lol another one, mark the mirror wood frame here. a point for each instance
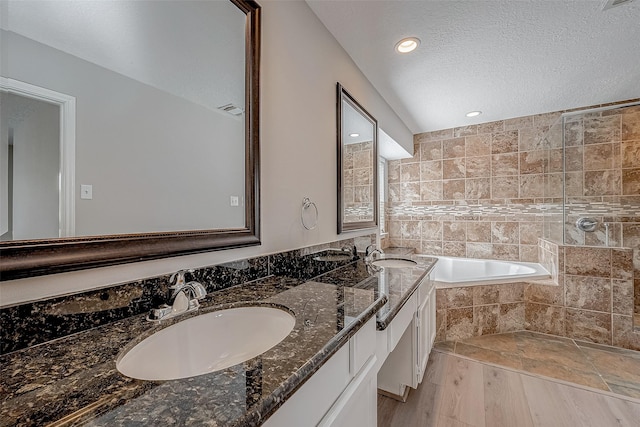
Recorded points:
(343, 226)
(29, 258)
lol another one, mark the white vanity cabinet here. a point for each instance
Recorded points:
(341, 393)
(403, 361)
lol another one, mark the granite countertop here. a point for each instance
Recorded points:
(74, 381)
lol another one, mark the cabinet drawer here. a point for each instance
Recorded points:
(400, 323)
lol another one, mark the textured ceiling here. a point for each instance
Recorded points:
(505, 58)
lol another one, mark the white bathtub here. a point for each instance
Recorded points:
(451, 272)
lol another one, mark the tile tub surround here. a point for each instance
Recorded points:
(69, 382)
(483, 191)
(35, 322)
(591, 301)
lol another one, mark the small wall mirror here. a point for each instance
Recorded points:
(357, 165)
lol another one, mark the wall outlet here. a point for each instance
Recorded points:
(234, 201)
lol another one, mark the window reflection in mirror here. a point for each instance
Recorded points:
(357, 165)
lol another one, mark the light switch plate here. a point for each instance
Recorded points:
(86, 192)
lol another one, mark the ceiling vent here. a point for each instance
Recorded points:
(608, 4)
(233, 109)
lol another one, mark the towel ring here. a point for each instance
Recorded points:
(306, 204)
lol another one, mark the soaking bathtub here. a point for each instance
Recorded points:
(452, 272)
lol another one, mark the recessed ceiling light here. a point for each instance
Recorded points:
(473, 113)
(354, 135)
(407, 45)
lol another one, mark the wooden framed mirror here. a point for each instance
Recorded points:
(170, 196)
(357, 133)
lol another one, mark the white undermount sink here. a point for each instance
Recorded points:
(207, 343)
(394, 263)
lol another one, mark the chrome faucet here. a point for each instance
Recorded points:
(371, 251)
(184, 297)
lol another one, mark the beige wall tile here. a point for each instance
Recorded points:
(486, 319)
(430, 247)
(432, 230)
(477, 188)
(598, 157)
(491, 127)
(431, 170)
(465, 130)
(547, 319)
(454, 231)
(431, 150)
(410, 172)
(486, 294)
(460, 324)
(630, 154)
(478, 167)
(479, 231)
(573, 158)
(631, 181)
(453, 189)
(511, 292)
(622, 263)
(622, 297)
(505, 232)
(544, 294)
(457, 297)
(600, 183)
(505, 187)
(410, 191)
(623, 333)
(599, 130)
(532, 185)
(589, 293)
(453, 148)
(504, 164)
(479, 250)
(631, 125)
(511, 317)
(505, 252)
(588, 325)
(478, 145)
(454, 168)
(457, 249)
(584, 261)
(518, 123)
(532, 139)
(573, 131)
(431, 190)
(504, 142)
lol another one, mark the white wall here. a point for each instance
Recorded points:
(36, 165)
(301, 63)
(139, 146)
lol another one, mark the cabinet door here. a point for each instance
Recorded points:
(358, 404)
(432, 316)
(423, 330)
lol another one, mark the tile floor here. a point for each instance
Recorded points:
(601, 367)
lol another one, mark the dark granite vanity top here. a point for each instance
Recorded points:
(73, 380)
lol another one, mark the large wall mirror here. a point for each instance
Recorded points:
(357, 165)
(129, 131)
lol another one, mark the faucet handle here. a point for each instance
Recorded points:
(369, 249)
(178, 277)
(198, 290)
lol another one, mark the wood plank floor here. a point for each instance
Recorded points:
(458, 392)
